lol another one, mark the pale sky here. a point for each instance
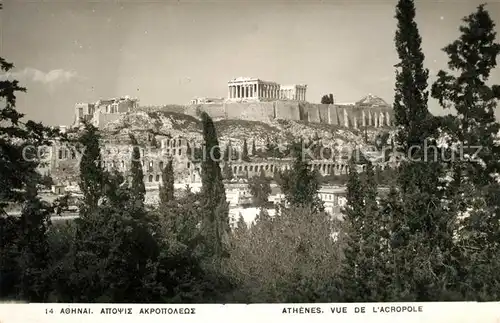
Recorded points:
(171, 51)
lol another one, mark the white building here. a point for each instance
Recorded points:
(243, 89)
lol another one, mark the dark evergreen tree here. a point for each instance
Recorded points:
(354, 216)
(228, 152)
(91, 172)
(167, 189)
(426, 220)
(327, 99)
(270, 148)
(114, 256)
(410, 100)
(473, 189)
(260, 188)
(244, 153)
(215, 221)
(254, 150)
(300, 184)
(241, 227)
(23, 242)
(227, 172)
(47, 181)
(33, 247)
(154, 143)
(137, 175)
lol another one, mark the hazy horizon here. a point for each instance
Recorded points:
(171, 51)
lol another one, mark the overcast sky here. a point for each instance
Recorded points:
(171, 51)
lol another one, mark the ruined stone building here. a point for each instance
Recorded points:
(103, 111)
(61, 161)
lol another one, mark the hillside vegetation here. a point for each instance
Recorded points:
(173, 124)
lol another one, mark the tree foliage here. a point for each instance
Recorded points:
(167, 189)
(215, 221)
(327, 99)
(300, 183)
(260, 188)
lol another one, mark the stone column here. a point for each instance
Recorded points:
(229, 92)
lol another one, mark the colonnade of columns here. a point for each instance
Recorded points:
(259, 90)
(253, 91)
(377, 119)
(299, 93)
(323, 167)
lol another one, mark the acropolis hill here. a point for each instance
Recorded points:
(255, 111)
(253, 99)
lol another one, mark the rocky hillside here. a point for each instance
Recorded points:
(172, 124)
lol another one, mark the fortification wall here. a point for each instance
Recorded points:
(338, 115)
(323, 113)
(259, 111)
(287, 110)
(214, 110)
(313, 115)
(333, 115)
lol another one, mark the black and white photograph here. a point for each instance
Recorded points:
(249, 152)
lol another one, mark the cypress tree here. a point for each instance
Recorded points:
(354, 217)
(167, 189)
(215, 222)
(138, 189)
(227, 152)
(91, 171)
(227, 172)
(410, 100)
(364, 267)
(253, 148)
(244, 153)
(425, 220)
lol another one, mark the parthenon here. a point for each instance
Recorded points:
(253, 89)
